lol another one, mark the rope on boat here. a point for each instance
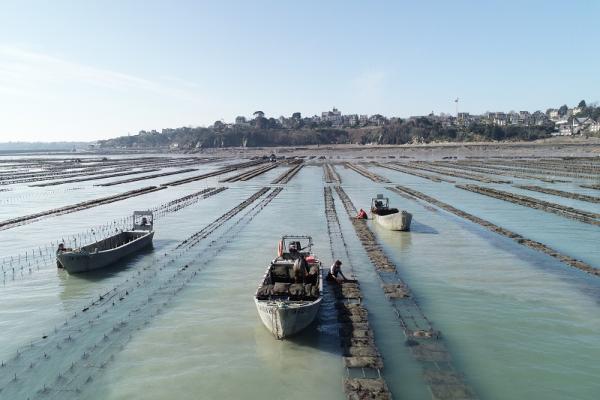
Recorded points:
(424, 342)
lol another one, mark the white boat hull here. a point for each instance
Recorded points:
(82, 261)
(399, 221)
(286, 318)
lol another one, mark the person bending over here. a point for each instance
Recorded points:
(335, 272)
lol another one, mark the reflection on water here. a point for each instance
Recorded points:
(76, 286)
(419, 227)
(508, 313)
(400, 239)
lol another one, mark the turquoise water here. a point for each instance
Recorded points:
(518, 323)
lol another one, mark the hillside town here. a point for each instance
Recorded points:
(565, 120)
(334, 127)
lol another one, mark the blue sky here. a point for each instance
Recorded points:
(83, 70)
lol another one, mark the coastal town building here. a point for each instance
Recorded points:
(352, 119)
(378, 120)
(563, 128)
(579, 125)
(539, 118)
(565, 121)
(497, 118)
(334, 116)
(553, 114)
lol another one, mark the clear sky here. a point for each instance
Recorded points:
(84, 70)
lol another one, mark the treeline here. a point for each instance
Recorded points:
(424, 130)
(415, 130)
(591, 110)
(201, 138)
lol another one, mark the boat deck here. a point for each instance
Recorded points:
(279, 284)
(115, 241)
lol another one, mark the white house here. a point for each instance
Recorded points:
(553, 114)
(563, 128)
(580, 124)
(335, 116)
(352, 119)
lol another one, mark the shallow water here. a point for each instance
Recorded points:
(518, 323)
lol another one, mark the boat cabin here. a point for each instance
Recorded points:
(291, 247)
(143, 221)
(381, 206)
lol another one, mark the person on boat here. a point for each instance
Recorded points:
(361, 214)
(335, 272)
(299, 269)
(378, 204)
(313, 274)
(61, 249)
(293, 250)
(144, 221)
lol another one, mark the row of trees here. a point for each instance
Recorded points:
(587, 110)
(419, 130)
(591, 111)
(424, 130)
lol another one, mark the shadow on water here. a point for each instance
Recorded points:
(402, 240)
(75, 285)
(312, 337)
(418, 227)
(321, 335)
(119, 266)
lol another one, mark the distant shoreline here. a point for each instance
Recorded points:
(552, 147)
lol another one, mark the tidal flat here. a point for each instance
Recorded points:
(497, 282)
